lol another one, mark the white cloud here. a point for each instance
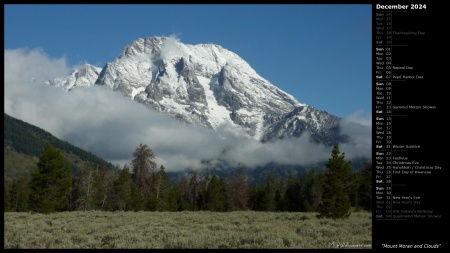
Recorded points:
(359, 131)
(24, 70)
(170, 47)
(112, 126)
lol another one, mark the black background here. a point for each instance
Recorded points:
(420, 127)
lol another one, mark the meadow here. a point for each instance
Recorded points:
(185, 230)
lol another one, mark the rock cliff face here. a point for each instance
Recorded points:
(208, 85)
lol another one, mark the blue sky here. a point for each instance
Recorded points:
(320, 54)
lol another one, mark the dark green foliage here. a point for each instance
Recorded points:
(137, 200)
(183, 193)
(268, 202)
(161, 192)
(365, 188)
(330, 193)
(7, 197)
(17, 165)
(293, 195)
(280, 195)
(255, 195)
(193, 192)
(31, 140)
(335, 199)
(122, 188)
(172, 204)
(51, 182)
(311, 190)
(215, 195)
(23, 137)
(353, 189)
(19, 195)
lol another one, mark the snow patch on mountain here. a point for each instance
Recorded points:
(82, 76)
(203, 84)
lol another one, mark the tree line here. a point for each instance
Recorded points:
(54, 187)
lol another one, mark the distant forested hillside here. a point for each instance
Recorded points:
(24, 143)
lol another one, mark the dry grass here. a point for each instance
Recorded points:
(185, 230)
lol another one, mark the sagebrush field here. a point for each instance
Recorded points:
(185, 230)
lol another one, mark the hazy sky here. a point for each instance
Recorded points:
(318, 53)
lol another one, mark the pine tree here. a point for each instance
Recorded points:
(183, 193)
(123, 189)
(171, 199)
(311, 190)
(161, 189)
(137, 200)
(293, 194)
(51, 182)
(280, 195)
(20, 191)
(215, 195)
(365, 188)
(255, 196)
(7, 197)
(335, 200)
(144, 166)
(194, 191)
(268, 199)
(354, 192)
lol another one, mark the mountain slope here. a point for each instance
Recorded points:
(83, 76)
(24, 143)
(207, 85)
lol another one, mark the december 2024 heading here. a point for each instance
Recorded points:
(400, 6)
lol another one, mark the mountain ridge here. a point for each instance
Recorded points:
(207, 85)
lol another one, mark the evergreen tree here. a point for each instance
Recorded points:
(280, 195)
(335, 200)
(123, 189)
(20, 194)
(293, 194)
(183, 193)
(365, 188)
(268, 198)
(215, 195)
(255, 196)
(203, 187)
(194, 191)
(51, 182)
(137, 200)
(171, 199)
(311, 190)
(20, 191)
(354, 189)
(161, 190)
(144, 166)
(7, 197)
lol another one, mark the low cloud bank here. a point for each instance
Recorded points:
(112, 126)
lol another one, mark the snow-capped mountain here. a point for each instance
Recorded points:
(83, 76)
(208, 85)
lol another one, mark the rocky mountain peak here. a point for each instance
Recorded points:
(205, 84)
